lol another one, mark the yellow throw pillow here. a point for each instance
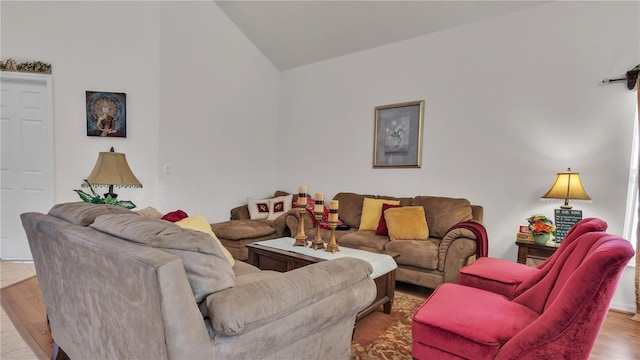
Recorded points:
(407, 223)
(371, 211)
(200, 223)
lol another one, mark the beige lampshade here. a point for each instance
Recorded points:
(567, 186)
(112, 169)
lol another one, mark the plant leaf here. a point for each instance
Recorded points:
(111, 201)
(97, 200)
(91, 187)
(126, 204)
(84, 196)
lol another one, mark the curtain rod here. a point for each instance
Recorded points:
(631, 78)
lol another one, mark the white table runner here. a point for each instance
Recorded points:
(381, 263)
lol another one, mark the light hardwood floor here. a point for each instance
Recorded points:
(619, 338)
(12, 347)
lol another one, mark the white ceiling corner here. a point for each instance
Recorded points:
(297, 33)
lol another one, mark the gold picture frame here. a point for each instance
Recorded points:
(397, 137)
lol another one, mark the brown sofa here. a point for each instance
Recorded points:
(240, 230)
(118, 285)
(426, 263)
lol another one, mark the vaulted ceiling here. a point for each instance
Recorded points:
(296, 33)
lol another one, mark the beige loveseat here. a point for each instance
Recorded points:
(241, 230)
(118, 285)
(426, 263)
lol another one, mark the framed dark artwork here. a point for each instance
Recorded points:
(397, 139)
(106, 114)
(565, 219)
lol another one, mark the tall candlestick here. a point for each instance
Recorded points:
(301, 237)
(332, 246)
(318, 211)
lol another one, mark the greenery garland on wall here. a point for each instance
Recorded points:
(29, 66)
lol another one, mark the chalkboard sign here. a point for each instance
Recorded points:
(565, 219)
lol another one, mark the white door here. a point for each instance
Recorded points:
(26, 132)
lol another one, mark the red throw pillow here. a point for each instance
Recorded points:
(382, 223)
(175, 216)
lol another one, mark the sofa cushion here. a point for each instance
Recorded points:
(371, 211)
(366, 238)
(255, 304)
(443, 212)
(351, 207)
(258, 208)
(419, 253)
(150, 212)
(382, 223)
(407, 223)
(433, 324)
(200, 223)
(404, 201)
(83, 214)
(206, 266)
(243, 229)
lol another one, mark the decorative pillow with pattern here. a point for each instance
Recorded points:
(258, 208)
(279, 205)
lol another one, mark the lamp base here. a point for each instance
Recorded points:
(566, 207)
(113, 196)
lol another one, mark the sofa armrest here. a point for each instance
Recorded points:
(240, 212)
(292, 219)
(280, 225)
(477, 212)
(240, 309)
(454, 251)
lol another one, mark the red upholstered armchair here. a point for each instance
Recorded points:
(558, 317)
(503, 276)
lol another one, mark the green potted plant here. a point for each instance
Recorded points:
(541, 227)
(97, 199)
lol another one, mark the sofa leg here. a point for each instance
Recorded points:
(58, 353)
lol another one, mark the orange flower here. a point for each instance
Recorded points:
(540, 226)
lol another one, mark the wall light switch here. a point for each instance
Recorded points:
(167, 169)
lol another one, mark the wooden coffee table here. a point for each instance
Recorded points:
(269, 258)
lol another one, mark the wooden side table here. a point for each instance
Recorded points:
(532, 254)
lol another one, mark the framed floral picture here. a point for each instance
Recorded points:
(106, 114)
(397, 139)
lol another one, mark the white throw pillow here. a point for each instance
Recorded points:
(279, 205)
(258, 208)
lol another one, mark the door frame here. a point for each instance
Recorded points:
(47, 80)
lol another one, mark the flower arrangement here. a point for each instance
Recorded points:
(395, 134)
(539, 223)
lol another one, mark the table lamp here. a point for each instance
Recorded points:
(567, 186)
(111, 170)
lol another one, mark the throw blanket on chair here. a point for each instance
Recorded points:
(482, 240)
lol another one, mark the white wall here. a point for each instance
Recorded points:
(200, 97)
(509, 102)
(96, 46)
(219, 101)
